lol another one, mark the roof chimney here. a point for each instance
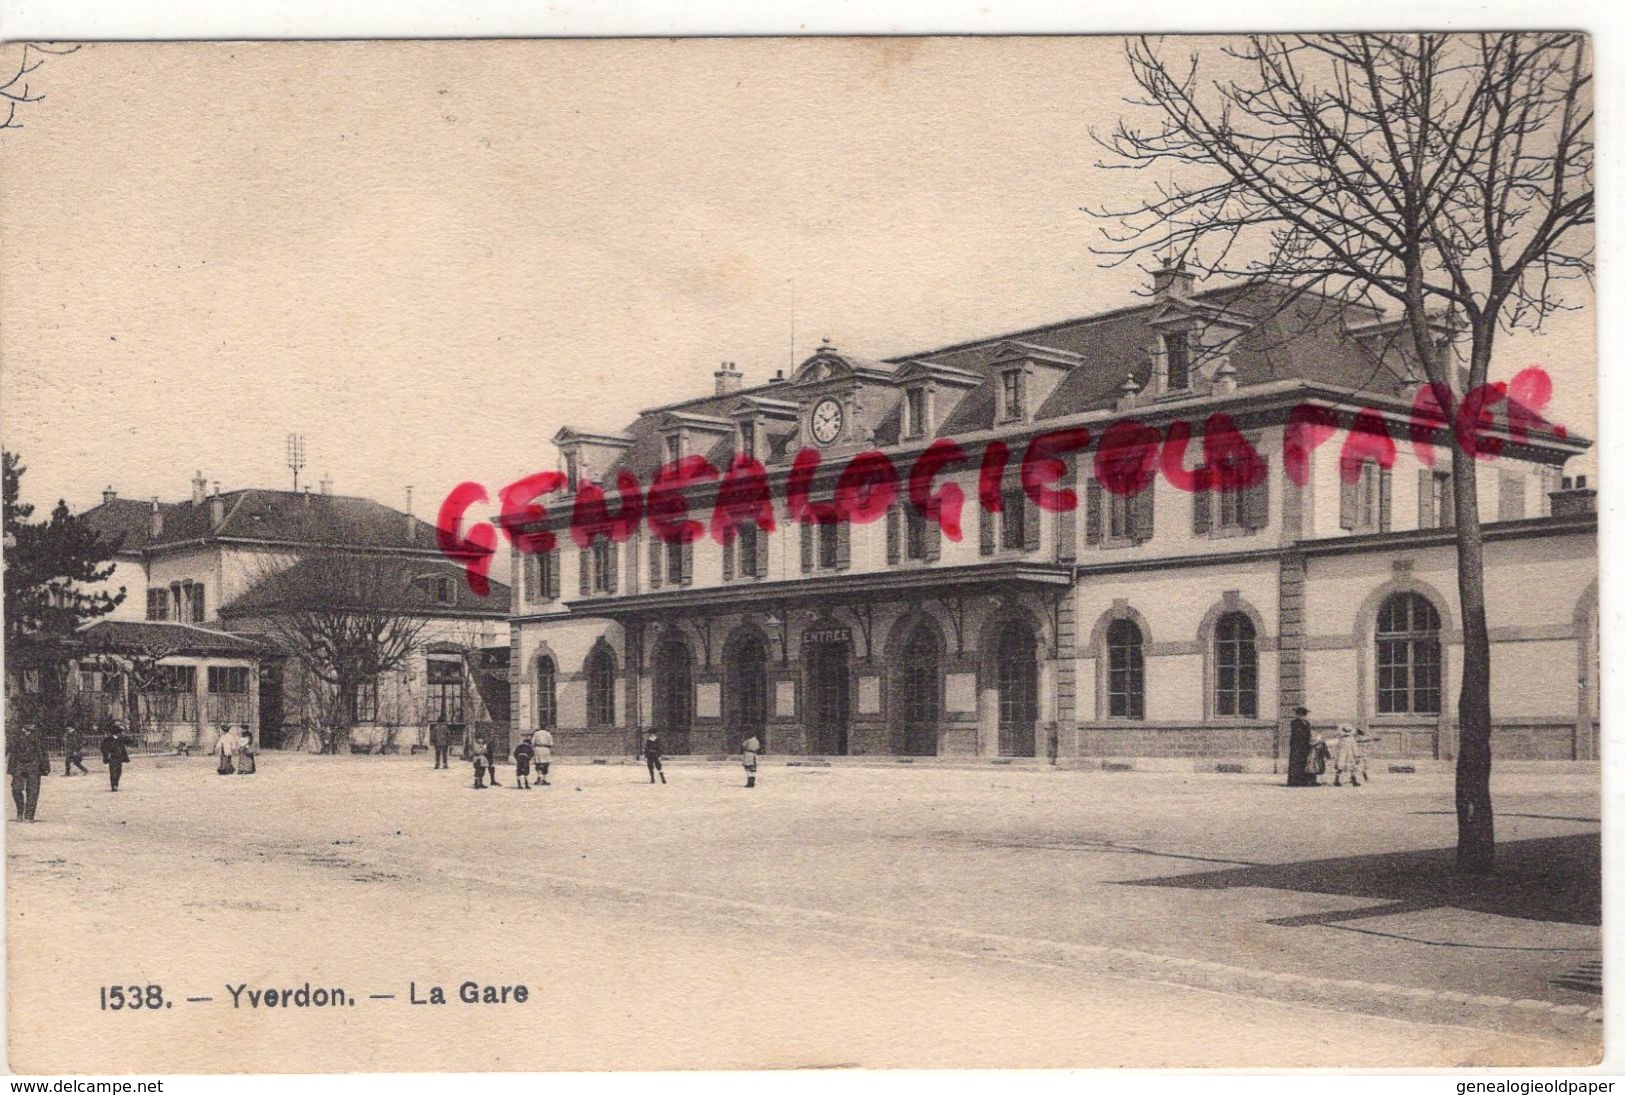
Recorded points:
(1171, 279)
(411, 522)
(1575, 499)
(157, 519)
(200, 489)
(327, 484)
(778, 377)
(729, 378)
(109, 495)
(217, 508)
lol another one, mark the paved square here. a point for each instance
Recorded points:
(846, 915)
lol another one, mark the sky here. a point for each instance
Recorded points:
(427, 257)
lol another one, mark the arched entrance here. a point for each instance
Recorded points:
(1015, 653)
(744, 689)
(673, 694)
(826, 655)
(920, 687)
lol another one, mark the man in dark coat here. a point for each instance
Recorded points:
(440, 738)
(73, 752)
(115, 754)
(26, 762)
(1297, 763)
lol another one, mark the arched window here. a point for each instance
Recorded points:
(1235, 661)
(1407, 656)
(601, 688)
(547, 704)
(1125, 670)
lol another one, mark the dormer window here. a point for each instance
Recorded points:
(914, 424)
(1177, 348)
(747, 438)
(572, 471)
(674, 447)
(1012, 394)
(443, 590)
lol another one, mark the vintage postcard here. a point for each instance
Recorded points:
(801, 553)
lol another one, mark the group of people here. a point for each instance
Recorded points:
(1342, 752)
(235, 751)
(28, 761)
(536, 751)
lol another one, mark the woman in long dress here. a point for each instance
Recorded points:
(245, 755)
(225, 748)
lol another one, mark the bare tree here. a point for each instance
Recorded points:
(1448, 177)
(19, 90)
(346, 617)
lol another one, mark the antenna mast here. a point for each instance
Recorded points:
(296, 456)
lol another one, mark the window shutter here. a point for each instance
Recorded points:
(990, 522)
(1201, 505)
(843, 545)
(1349, 500)
(613, 567)
(1030, 527)
(761, 553)
(1448, 518)
(806, 547)
(632, 565)
(1256, 507)
(728, 558)
(894, 539)
(1425, 517)
(688, 563)
(933, 541)
(585, 558)
(654, 562)
(1145, 511)
(553, 574)
(1093, 502)
(1385, 502)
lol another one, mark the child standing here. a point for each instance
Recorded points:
(478, 760)
(1362, 745)
(651, 755)
(521, 764)
(748, 753)
(1343, 757)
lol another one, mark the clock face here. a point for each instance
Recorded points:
(826, 421)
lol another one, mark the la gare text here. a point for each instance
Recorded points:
(1128, 455)
(307, 996)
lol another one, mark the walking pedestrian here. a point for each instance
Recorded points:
(27, 762)
(1343, 757)
(73, 752)
(651, 755)
(246, 753)
(542, 745)
(748, 753)
(115, 754)
(225, 748)
(521, 764)
(1297, 763)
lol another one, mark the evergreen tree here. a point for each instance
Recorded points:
(48, 565)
